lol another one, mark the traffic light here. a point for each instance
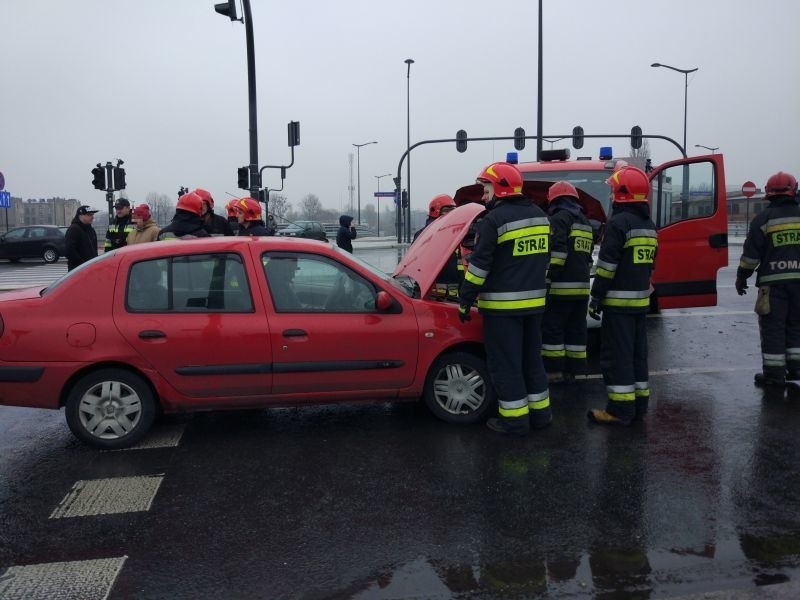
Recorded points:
(227, 9)
(119, 178)
(461, 140)
(519, 138)
(99, 178)
(577, 137)
(636, 137)
(244, 178)
(294, 133)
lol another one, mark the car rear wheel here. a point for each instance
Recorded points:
(458, 389)
(50, 255)
(110, 408)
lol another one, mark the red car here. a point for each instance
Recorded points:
(240, 322)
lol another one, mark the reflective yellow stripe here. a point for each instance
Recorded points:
(604, 273)
(554, 353)
(539, 404)
(576, 354)
(513, 412)
(511, 304)
(523, 232)
(559, 262)
(783, 227)
(629, 302)
(474, 278)
(641, 241)
(569, 292)
(643, 393)
(579, 233)
(622, 396)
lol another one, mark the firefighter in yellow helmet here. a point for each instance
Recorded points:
(506, 276)
(621, 290)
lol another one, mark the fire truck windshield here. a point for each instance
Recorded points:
(591, 182)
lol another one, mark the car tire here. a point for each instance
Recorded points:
(458, 388)
(110, 408)
(50, 255)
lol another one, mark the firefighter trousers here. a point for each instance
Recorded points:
(513, 352)
(564, 336)
(780, 331)
(623, 360)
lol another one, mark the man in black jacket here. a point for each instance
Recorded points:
(773, 246)
(346, 234)
(80, 241)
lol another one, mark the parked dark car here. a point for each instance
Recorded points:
(33, 241)
(312, 230)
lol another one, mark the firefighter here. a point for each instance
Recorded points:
(773, 247)
(233, 220)
(506, 275)
(438, 206)
(621, 290)
(564, 325)
(213, 223)
(121, 225)
(248, 213)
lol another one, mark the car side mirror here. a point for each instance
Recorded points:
(383, 301)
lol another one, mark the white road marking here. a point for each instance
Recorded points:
(681, 371)
(84, 579)
(109, 496)
(30, 276)
(164, 437)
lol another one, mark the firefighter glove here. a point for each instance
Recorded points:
(463, 314)
(741, 286)
(595, 309)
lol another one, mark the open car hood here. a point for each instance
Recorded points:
(426, 257)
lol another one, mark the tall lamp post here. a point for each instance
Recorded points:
(409, 62)
(685, 93)
(712, 148)
(358, 173)
(378, 201)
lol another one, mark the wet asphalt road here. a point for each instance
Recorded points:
(387, 502)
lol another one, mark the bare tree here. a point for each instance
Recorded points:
(643, 152)
(310, 207)
(161, 206)
(279, 205)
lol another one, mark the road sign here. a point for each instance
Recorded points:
(384, 194)
(5, 199)
(748, 189)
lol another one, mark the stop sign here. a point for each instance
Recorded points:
(748, 189)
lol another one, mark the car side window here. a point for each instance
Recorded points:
(306, 283)
(14, 235)
(194, 283)
(37, 232)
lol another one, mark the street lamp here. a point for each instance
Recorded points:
(707, 147)
(409, 62)
(358, 171)
(685, 93)
(378, 201)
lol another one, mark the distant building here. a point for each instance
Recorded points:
(44, 211)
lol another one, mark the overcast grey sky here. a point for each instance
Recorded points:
(163, 85)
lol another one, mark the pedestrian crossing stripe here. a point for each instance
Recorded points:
(31, 275)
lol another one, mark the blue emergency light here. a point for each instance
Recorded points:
(606, 153)
(512, 158)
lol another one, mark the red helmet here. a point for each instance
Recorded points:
(561, 188)
(191, 202)
(142, 212)
(205, 195)
(231, 207)
(780, 184)
(250, 208)
(629, 184)
(505, 178)
(438, 203)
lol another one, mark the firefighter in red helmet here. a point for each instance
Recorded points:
(188, 220)
(564, 325)
(621, 290)
(506, 276)
(438, 206)
(215, 224)
(773, 248)
(248, 213)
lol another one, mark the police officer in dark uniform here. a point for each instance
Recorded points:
(506, 275)
(621, 290)
(121, 225)
(564, 326)
(773, 246)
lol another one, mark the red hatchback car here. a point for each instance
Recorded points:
(241, 322)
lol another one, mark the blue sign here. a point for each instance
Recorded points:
(5, 199)
(384, 194)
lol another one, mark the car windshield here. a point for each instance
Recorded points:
(57, 283)
(591, 182)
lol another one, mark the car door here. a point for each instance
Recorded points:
(12, 243)
(195, 320)
(690, 211)
(327, 335)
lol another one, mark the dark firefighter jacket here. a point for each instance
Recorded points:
(626, 258)
(773, 243)
(117, 233)
(253, 228)
(508, 265)
(184, 224)
(571, 242)
(217, 225)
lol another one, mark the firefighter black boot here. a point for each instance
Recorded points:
(516, 426)
(768, 379)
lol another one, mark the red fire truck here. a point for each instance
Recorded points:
(688, 207)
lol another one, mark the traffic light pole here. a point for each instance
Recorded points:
(109, 190)
(255, 176)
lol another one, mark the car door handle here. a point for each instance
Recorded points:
(151, 334)
(718, 240)
(294, 333)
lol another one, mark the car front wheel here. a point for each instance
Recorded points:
(458, 389)
(50, 255)
(110, 409)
